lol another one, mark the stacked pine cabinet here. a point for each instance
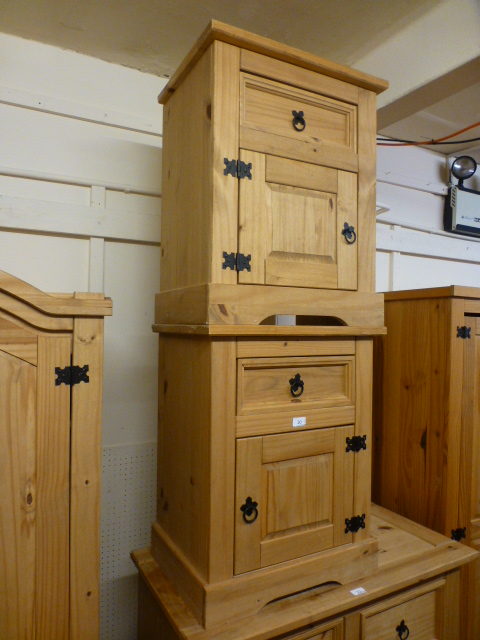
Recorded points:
(427, 419)
(268, 213)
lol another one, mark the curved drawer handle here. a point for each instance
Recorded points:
(249, 510)
(298, 122)
(296, 386)
(403, 631)
(349, 233)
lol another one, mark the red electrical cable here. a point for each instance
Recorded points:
(427, 142)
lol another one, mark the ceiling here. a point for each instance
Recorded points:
(154, 35)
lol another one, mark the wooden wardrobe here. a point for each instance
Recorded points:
(51, 362)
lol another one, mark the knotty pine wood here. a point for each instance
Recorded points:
(264, 101)
(412, 560)
(52, 558)
(427, 418)
(198, 218)
(196, 445)
(363, 427)
(264, 66)
(193, 538)
(232, 306)
(49, 488)
(18, 495)
(367, 158)
(219, 113)
(238, 37)
(85, 470)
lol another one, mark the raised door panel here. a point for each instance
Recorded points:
(17, 497)
(293, 494)
(291, 218)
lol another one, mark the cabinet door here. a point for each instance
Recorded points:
(291, 218)
(469, 503)
(17, 484)
(293, 494)
(470, 463)
(34, 489)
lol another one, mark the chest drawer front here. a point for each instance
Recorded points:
(270, 384)
(415, 617)
(268, 106)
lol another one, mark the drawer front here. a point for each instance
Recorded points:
(318, 389)
(415, 616)
(268, 106)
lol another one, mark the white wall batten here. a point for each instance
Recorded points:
(410, 207)
(71, 150)
(78, 220)
(96, 265)
(413, 167)
(43, 77)
(438, 245)
(39, 102)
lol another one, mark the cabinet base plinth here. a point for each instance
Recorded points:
(412, 561)
(248, 593)
(224, 305)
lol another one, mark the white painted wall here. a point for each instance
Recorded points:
(80, 176)
(413, 251)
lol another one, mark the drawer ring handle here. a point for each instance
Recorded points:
(249, 510)
(299, 123)
(402, 629)
(349, 233)
(296, 386)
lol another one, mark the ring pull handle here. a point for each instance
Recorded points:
(298, 122)
(349, 233)
(249, 510)
(296, 386)
(403, 631)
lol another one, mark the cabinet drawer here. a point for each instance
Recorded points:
(268, 106)
(318, 389)
(414, 615)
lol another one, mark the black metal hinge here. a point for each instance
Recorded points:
(71, 375)
(464, 332)
(356, 444)
(354, 524)
(459, 534)
(237, 169)
(237, 261)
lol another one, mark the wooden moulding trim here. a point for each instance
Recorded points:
(30, 318)
(452, 291)
(250, 592)
(266, 330)
(248, 304)
(246, 40)
(178, 570)
(53, 304)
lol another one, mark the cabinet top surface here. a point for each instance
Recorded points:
(246, 40)
(452, 291)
